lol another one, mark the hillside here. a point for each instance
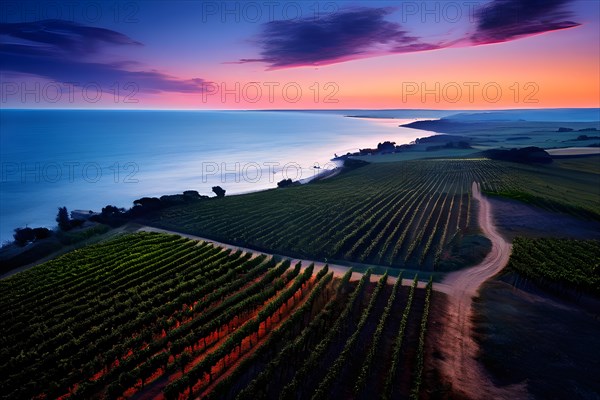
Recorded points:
(408, 214)
(151, 313)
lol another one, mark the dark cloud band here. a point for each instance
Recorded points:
(505, 20)
(343, 36)
(57, 50)
(364, 32)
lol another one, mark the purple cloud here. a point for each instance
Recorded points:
(362, 33)
(65, 35)
(348, 35)
(56, 50)
(505, 20)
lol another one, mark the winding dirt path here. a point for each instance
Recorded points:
(459, 365)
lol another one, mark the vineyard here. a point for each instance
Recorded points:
(566, 186)
(573, 263)
(159, 316)
(405, 214)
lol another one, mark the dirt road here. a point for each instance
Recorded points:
(459, 365)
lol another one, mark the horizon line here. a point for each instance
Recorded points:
(298, 109)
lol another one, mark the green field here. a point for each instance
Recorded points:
(574, 264)
(148, 313)
(488, 133)
(406, 215)
(537, 322)
(567, 185)
(410, 214)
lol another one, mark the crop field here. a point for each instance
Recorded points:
(572, 263)
(160, 316)
(537, 322)
(568, 185)
(403, 214)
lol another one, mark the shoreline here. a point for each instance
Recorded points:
(371, 117)
(264, 142)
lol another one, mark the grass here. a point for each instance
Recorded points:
(13, 256)
(547, 346)
(466, 251)
(542, 335)
(566, 186)
(589, 164)
(493, 134)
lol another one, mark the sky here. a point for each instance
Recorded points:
(151, 54)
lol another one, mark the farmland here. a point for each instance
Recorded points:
(571, 263)
(151, 315)
(405, 215)
(570, 186)
(537, 322)
(160, 316)
(412, 214)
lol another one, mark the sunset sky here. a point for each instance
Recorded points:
(279, 55)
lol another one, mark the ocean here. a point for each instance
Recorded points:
(87, 159)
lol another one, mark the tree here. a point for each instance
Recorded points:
(386, 146)
(23, 236)
(149, 203)
(76, 223)
(64, 223)
(41, 233)
(285, 183)
(191, 194)
(112, 211)
(144, 205)
(219, 191)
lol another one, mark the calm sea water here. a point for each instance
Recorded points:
(85, 159)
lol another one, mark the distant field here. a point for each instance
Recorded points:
(515, 133)
(418, 152)
(148, 313)
(589, 164)
(567, 185)
(410, 214)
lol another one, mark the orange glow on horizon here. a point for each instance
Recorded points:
(529, 76)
